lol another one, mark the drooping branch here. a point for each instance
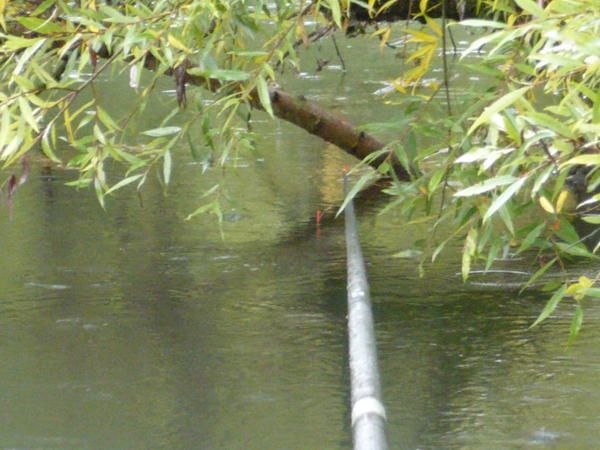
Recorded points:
(296, 110)
(312, 118)
(330, 127)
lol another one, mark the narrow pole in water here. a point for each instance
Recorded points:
(368, 413)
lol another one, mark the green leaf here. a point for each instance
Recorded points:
(531, 237)
(479, 43)
(576, 323)
(201, 210)
(468, 252)
(486, 186)
(504, 197)
(434, 181)
(499, 105)
(79, 183)
(231, 75)
(193, 149)
(47, 149)
(116, 17)
(99, 192)
(485, 70)
(549, 122)
(567, 232)
(223, 75)
(506, 217)
(27, 113)
(539, 273)
(408, 254)
(586, 160)
(595, 219)
(25, 58)
(164, 131)
(592, 292)
(530, 7)
(106, 119)
(167, 167)
(38, 25)
(123, 183)
(43, 7)
(551, 305)
(335, 12)
(576, 250)
(492, 254)
(438, 250)
(263, 94)
(355, 190)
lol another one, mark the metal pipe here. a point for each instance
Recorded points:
(368, 413)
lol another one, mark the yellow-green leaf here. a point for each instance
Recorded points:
(178, 44)
(2, 9)
(38, 25)
(336, 13)
(419, 36)
(499, 105)
(562, 198)
(585, 282)
(586, 160)
(595, 219)
(433, 25)
(545, 203)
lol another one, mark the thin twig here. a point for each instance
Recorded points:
(337, 51)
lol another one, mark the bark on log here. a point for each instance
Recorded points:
(331, 128)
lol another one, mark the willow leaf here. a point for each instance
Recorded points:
(550, 306)
(504, 197)
(263, 94)
(499, 105)
(486, 186)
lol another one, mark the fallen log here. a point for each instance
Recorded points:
(306, 115)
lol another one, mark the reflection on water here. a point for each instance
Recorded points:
(136, 329)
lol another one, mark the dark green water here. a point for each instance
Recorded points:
(135, 329)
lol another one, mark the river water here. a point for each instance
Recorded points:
(135, 329)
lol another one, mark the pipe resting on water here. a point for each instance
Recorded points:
(368, 412)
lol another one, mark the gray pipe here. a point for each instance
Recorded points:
(368, 413)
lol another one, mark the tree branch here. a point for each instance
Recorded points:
(310, 117)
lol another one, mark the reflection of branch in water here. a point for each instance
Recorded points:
(339, 54)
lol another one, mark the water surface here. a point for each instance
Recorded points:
(133, 328)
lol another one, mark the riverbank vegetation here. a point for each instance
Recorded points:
(511, 169)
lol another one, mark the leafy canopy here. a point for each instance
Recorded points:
(493, 168)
